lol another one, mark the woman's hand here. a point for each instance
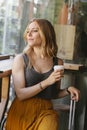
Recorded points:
(55, 76)
(75, 93)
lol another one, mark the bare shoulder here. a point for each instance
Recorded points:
(18, 61)
(18, 57)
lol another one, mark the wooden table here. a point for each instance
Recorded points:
(6, 65)
(3, 57)
(5, 69)
(71, 66)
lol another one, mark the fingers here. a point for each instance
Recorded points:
(58, 74)
(75, 93)
(61, 71)
(75, 96)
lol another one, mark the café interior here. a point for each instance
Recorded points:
(69, 18)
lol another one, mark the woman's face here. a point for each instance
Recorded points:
(33, 35)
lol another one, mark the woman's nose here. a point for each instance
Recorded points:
(30, 33)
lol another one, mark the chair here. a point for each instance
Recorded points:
(4, 94)
(70, 108)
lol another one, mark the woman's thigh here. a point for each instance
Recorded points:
(49, 121)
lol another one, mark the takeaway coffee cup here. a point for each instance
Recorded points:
(58, 67)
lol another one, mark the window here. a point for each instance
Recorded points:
(10, 17)
(14, 17)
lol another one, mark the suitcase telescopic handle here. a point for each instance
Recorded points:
(71, 115)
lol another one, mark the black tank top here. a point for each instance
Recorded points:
(33, 77)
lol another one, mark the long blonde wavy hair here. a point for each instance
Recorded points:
(47, 33)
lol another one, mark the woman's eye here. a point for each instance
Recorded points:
(27, 31)
(35, 30)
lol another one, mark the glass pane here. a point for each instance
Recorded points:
(10, 16)
(14, 17)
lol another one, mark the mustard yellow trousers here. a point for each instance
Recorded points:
(32, 114)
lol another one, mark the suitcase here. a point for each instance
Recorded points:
(71, 115)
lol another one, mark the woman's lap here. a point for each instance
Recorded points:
(32, 115)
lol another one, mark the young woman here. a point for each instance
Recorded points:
(36, 82)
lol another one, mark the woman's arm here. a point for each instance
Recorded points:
(23, 92)
(74, 93)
